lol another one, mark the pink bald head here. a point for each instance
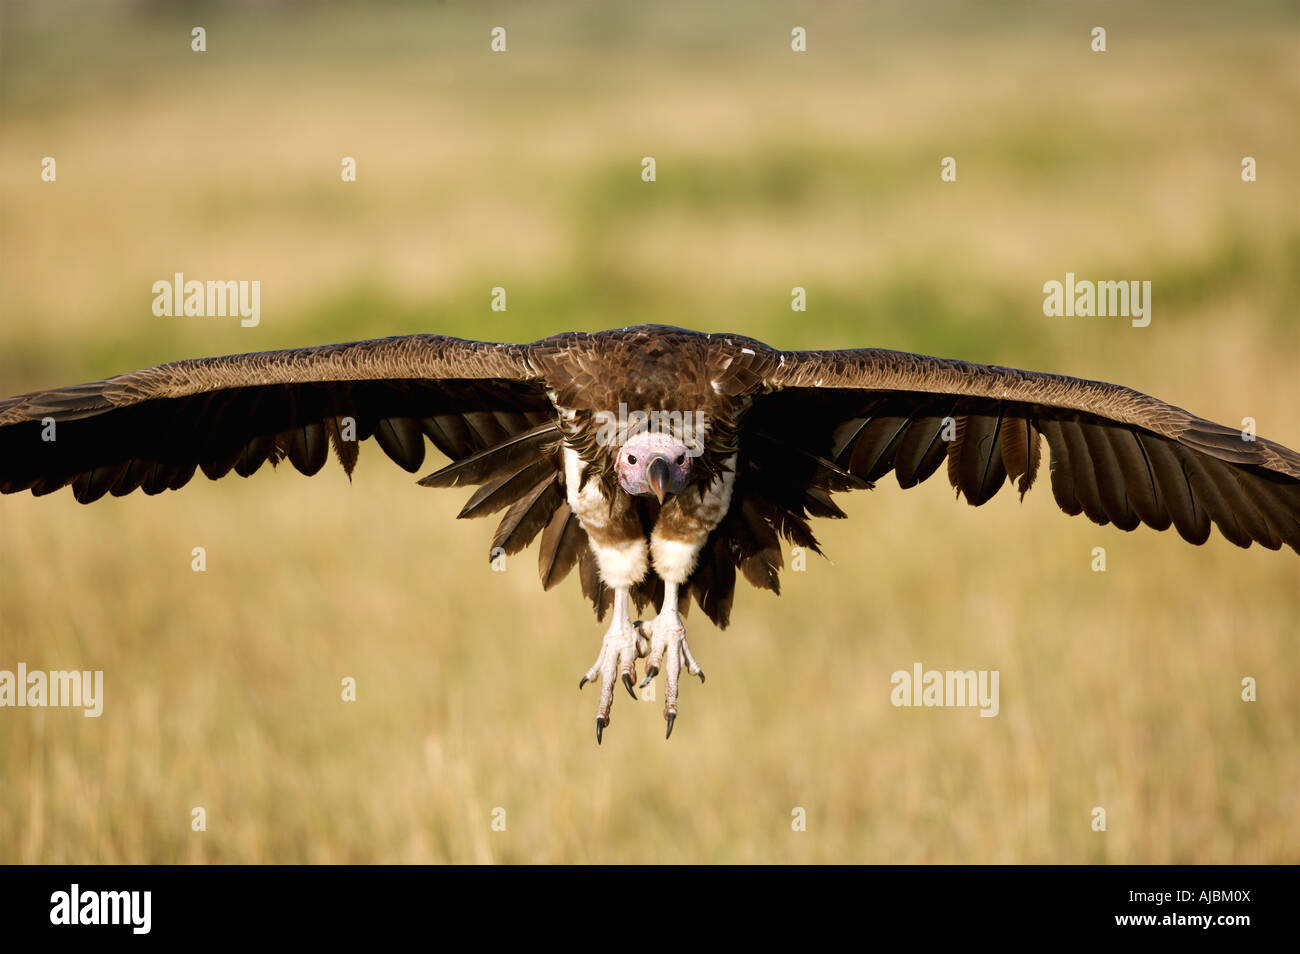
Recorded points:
(651, 464)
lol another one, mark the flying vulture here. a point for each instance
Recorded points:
(658, 461)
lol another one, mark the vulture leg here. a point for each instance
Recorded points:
(680, 533)
(668, 649)
(618, 653)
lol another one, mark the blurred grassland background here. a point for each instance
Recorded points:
(1118, 689)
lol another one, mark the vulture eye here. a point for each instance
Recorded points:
(681, 459)
(631, 458)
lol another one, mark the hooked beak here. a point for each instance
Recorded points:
(657, 476)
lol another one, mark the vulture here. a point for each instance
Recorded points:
(659, 462)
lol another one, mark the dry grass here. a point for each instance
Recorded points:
(1119, 689)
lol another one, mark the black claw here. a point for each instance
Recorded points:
(671, 717)
(701, 675)
(627, 681)
(582, 682)
(600, 727)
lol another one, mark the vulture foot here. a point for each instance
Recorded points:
(669, 651)
(617, 661)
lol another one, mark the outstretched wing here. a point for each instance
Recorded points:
(1116, 455)
(828, 421)
(153, 429)
(484, 405)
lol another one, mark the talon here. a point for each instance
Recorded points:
(671, 717)
(627, 681)
(600, 727)
(582, 682)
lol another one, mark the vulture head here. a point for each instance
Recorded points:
(653, 464)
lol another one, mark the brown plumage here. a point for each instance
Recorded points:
(801, 426)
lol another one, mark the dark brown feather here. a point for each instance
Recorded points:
(975, 457)
(402, 439)
(308, 448)
(506, 490)
(1020, 450)
(345, 450)
(563, 541)
(1139, 480)
(527, 516)
(1189, 518)
(1227, 510)
(497, 460)
(922, 448)
(1109, 475)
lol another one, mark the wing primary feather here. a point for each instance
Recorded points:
(402, 439)
(1020, 451)
(1108, 473)
(504, 491)
(527, 517)
(918, 457)
(1189, 520)
(1143, 492)
(494, 461)
(975, 458)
